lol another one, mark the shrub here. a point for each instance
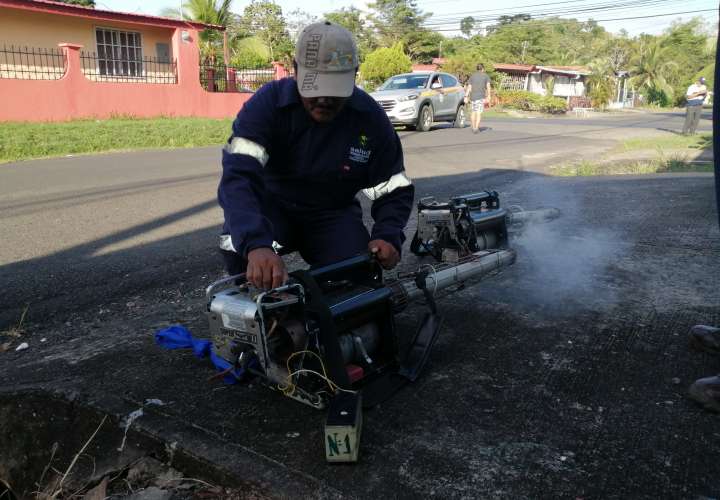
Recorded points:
(465, 64)
(553, 105)
(381, 64)
(529, 101)
(250, 53)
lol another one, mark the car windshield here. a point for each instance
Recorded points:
(405, 82)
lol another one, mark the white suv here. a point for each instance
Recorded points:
(419, 99)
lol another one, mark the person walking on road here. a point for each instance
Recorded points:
(696, 94)
(477, 93)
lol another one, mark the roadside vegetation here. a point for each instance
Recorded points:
(666, 142)
(659, 166)
(668, 154)
(24, 141)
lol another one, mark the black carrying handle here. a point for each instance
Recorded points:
(317, 306)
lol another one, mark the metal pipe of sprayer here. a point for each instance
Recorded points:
(481, 264)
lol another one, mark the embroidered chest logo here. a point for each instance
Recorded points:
(361, 153)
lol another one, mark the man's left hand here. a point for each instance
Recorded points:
(385, 253)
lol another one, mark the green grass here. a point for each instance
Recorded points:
(491, 113)
(699, 141)
(589, 168)
(23, 141)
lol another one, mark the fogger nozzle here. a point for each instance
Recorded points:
(442, 276)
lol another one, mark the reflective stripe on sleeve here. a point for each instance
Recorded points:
(242, 146)
(226, 243)
(396, 181)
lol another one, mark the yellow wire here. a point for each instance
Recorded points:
(290, 388)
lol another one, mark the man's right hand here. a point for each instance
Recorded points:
(265, 269)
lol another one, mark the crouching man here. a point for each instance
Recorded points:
(300, 151)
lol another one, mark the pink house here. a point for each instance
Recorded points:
(61, 62)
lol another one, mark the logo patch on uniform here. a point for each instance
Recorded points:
(361, 152)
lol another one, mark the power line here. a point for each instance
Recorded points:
(627, 5)
(551, 23)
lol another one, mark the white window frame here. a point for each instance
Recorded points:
(121, 63)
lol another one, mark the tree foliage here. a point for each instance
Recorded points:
(250, 53)
(467, 25)
(402, 21)
(353, 20)
(601, 82)
(465, 63)
(383, 63)
(84, 3)
(650, 69)
(264, 20)
(215, 12)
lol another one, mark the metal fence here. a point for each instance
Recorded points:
(30, 63)
(513, 82)
(132, 70)
(221, 78)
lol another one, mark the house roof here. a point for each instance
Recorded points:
(424, 67)
(521, 68)
(565, 70)
(64, 9)
(529, 68)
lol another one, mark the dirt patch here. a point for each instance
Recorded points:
(53, 447)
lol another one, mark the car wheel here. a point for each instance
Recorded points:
(425, 120)
(460, 117)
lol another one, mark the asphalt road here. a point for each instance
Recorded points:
(562, 377)
(81, 231)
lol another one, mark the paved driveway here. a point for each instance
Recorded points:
(561, 377)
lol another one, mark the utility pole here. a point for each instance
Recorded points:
(525, 45)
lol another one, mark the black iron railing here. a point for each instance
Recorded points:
(131, 70)
(30, 63)
(221, 78)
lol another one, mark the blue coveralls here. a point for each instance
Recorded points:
(290, 180)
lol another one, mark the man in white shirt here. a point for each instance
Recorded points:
(696, 94)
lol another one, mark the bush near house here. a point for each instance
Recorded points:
(529, 101)
(383, 63)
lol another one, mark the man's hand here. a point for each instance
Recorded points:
(265, 269)
(385, 253)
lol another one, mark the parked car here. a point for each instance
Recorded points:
(416, 100)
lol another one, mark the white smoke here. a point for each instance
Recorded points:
(564, 263)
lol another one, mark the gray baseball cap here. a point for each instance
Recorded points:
(327, 58)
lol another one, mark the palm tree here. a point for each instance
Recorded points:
(215, 12)
(601, 82)
(650, 68)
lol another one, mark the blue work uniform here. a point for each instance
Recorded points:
(292, 181)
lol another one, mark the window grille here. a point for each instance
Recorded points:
(119, 53)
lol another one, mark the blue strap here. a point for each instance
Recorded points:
(179, 337)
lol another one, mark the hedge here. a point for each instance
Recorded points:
(529, 101)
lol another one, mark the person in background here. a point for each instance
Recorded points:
(696, 94)
(477, 93)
